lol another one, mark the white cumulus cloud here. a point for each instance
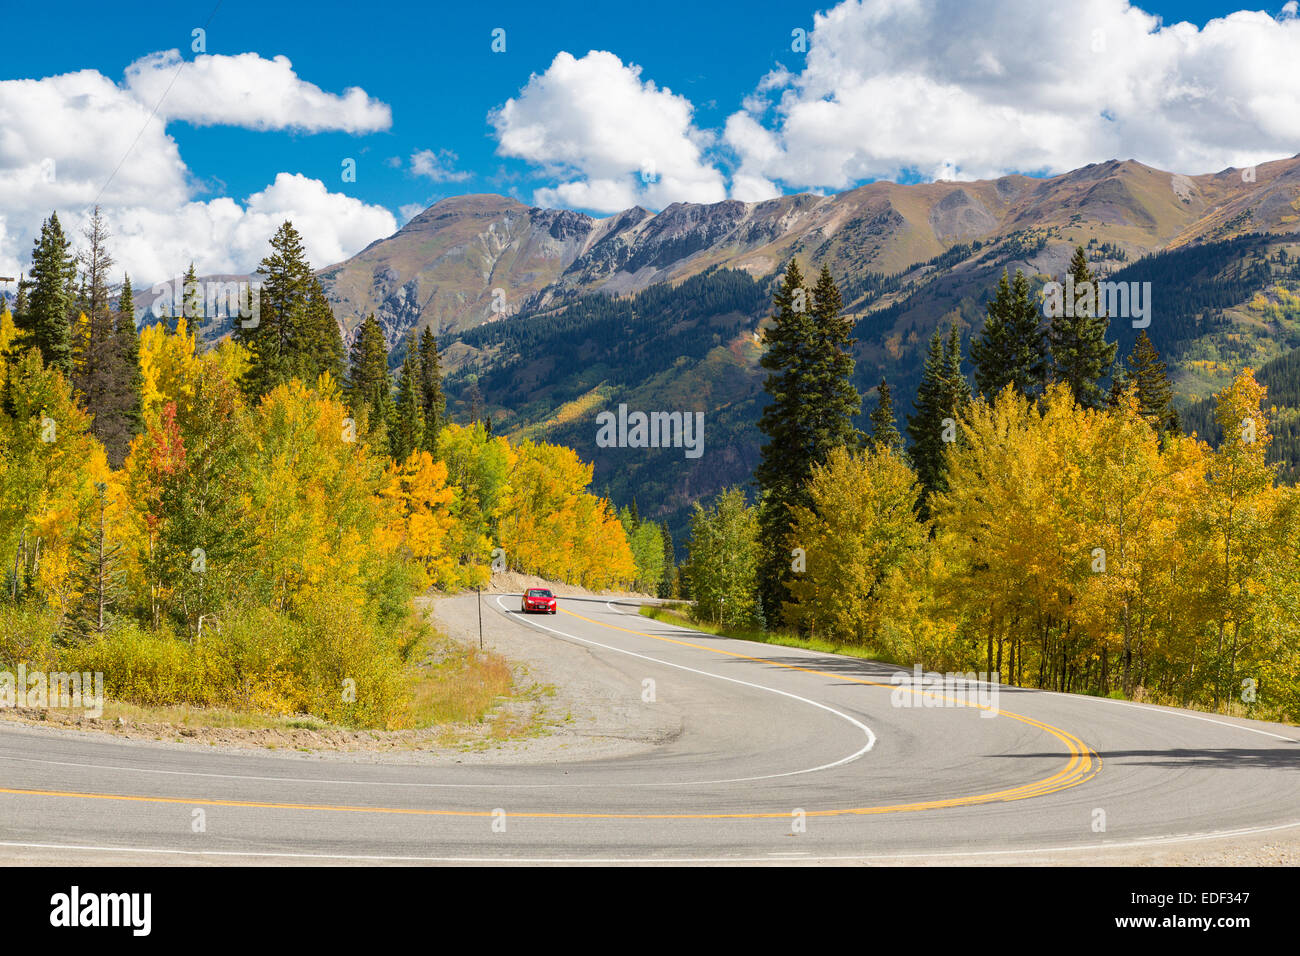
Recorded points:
(980, 88)
(613, 139)
(69, 141)
(248, 90)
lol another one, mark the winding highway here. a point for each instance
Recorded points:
(784, 754)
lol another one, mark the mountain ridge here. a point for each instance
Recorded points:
(477, 258)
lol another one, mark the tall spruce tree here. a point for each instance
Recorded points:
(958, 385)
(43, 323)
(1081, 356)
(322, 348)
(834, 397)
(127, 415)
(1011, 349)
(1155, 393)
(193, 303)
(280, 339)
(407, 434)
(810, 411)
(432, 400)
(785, 461)
(884, 429)
(368, 387)
(940, 400)
(473, 398)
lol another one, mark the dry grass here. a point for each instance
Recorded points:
(189, 715)
(457, 684)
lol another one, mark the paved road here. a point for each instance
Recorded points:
(785, 755)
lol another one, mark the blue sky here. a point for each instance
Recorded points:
(433, 67)
(431, 62)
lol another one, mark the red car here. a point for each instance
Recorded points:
(538, 599)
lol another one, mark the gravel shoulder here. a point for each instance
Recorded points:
(588, 710)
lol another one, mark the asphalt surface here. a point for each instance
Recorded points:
(784, 755)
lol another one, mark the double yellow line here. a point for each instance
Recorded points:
(1082, 766)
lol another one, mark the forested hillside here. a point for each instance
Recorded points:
(684, 348)
(1282, 379)
(1216, 309)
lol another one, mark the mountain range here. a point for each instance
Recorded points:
(444, 267)
(547, 317)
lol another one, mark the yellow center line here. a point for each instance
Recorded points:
(1083, 765)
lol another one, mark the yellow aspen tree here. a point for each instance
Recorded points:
(856, 536)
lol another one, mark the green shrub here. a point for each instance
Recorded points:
(27, 637)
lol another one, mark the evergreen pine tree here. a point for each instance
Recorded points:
(785, 456)
(128, 415)
(989, 350)
(884, 430)
(278, 344)
(1011, 349)
(1081, 356)
(811, 410)
(940, 398)
(834, 399)
(43, 322)
(95, 365)
(669, 578)
(959, 393)
(1119, 383)
(1155, 393)
(193, 303)
(20, 301)
(322, 349)
(407, 434)
(368, 387)
(432, 400)
(473, 397)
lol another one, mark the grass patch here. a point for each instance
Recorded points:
(676, 614)
(190, 715)
(456, 683)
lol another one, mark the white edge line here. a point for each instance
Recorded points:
(871, 737)
(812, 857)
